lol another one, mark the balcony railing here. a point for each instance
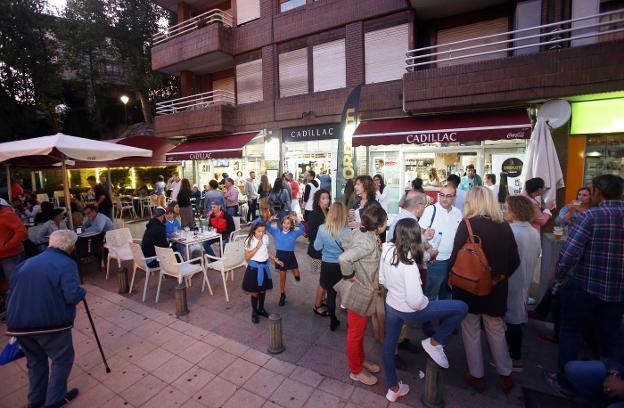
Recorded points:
(194, 23)
(195, 102)
(548, 35)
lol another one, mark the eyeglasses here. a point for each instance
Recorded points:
(446, 195)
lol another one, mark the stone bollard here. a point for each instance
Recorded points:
(434, 385)
(122, 275)
(180, 299)
(276, 344)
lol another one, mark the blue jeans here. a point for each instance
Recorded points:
(577, 306)
(38, 348)
(450, 312)
(437, 281)
(586, 377)
(8, 264)
(232, 210)
(208, 247)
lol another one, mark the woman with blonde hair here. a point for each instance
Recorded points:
(328, 243)
(483, 215)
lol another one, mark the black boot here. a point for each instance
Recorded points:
(254, 309)
(334, 323)
(282, 300)
(261, 310)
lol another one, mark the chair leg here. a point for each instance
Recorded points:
(224, 276)
(108, 260)
(158, 289)
(132, 280)
(207, 282)
(147, 274)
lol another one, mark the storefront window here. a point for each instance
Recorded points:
(317, 155)
(604, 154)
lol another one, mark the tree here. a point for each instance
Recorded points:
(135, 22)
(29, 75)
(84, 34)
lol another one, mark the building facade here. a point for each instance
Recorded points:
(444, 84)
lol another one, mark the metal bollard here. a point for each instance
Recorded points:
(276, 344)
(180, 299)
(122, 275)
(434, 385)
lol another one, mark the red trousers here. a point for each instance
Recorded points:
(355, 340)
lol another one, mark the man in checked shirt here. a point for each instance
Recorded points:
(591, 263)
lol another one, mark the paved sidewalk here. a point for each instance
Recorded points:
(160, 361)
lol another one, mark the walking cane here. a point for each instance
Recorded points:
(97, 339)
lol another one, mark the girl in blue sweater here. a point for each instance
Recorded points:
(328, 243)
(285, 239)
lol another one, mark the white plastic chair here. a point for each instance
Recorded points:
(140, 262)
(123, 206)
(118, 244)
(170, 266)
(118, 223)
(232, 259)
(42, 197)
(237, 226)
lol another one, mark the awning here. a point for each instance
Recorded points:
(158, 146)
(465, 127)
(221, 147)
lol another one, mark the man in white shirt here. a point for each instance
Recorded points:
(311, 188)
(174, 184)
(460, 195)
(440, 221)
(251, 191)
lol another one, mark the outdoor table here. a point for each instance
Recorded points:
(550, 256)
(189, 238)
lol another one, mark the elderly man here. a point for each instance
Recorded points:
(95, 222)
(222, 222)
(45, 290)
(413, 207)
(251, 191)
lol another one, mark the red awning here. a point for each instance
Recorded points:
(158, 146)
(221, 147)
(465, 127)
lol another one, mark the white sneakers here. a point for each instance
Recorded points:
(435, 352)
(371, 367)
(392, 396)
(364, 377)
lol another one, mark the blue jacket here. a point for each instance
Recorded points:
(285, 242)
(45, 290)
(329, 247)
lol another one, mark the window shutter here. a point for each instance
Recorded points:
(247, 10)
(384, 53)
(224, 84)
(330, 67)
(293, 72)
(249, 82)
(482, 28)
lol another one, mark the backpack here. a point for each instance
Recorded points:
(471, 271)
(275, 202)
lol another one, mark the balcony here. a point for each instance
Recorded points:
(559, 59)
(202, 44)
(204, 113)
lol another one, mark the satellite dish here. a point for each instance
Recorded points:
(555, 113)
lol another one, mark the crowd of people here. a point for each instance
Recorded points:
(463, 264)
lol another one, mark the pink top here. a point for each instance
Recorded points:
(540, 217)
(231, 197)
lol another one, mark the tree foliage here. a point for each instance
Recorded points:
(29, 74)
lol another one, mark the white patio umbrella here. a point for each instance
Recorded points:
(542, 161)
(47, 150)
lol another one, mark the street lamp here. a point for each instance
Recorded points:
(124, 99)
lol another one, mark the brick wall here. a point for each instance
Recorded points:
(516, 80)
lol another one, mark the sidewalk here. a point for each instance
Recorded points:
(160, 361)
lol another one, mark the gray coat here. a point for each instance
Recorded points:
(529, 248)
(360, 259)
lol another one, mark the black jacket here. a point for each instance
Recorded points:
(315, 219)
(155, 235)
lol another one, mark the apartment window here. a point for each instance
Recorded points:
(584, 8)
(293, 72)
(286, 5)
(384, 53)
(249, 82)
(528, 15)
(480, 29)
(247, 10)
(330, 68)
(607, 6)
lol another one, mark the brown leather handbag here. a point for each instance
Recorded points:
(471, 271)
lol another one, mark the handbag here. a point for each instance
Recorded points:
(11, 352)
(378, 319)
